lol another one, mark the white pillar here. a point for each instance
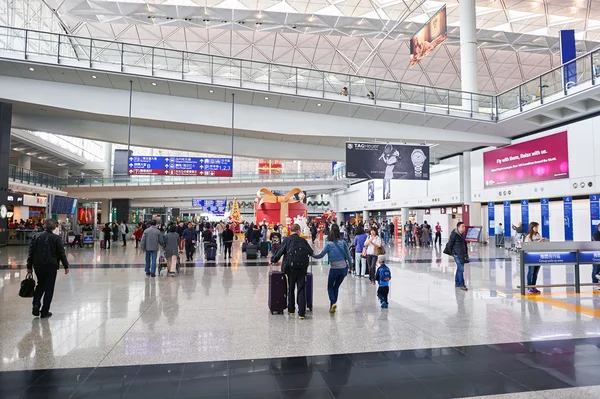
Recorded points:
(468, 53)
(365, 216)
(24, 161)
(299, 163)
(108, 154)
(404, 215)
(105, 211)
(63, 173)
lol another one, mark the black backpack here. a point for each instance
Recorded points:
(299, 256)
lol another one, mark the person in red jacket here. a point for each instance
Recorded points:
(138, 234)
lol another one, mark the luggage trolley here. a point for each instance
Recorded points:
(162, 263)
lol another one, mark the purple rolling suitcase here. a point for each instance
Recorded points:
(309, 290)
(277, 292)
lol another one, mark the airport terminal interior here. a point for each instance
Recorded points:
(337, 199)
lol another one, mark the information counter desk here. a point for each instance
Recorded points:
(549, 254)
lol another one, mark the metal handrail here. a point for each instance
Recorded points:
(243, 73)
(315, 83)
(127, 180)
(29, 176)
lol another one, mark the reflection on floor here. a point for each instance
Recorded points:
(107, 313)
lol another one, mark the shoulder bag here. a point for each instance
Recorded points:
(343, 253)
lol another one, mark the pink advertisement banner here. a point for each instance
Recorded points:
(546, 158)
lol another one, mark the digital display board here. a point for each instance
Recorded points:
(546, 158)
(180, 166)
(215, 207)
(64, 205)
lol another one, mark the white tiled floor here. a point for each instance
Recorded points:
(118, 316)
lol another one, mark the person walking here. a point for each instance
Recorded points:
(115, 231)
(313, 232)
(227, 240)
(338, 253)
(150, 243)
(457, 248)
(532, 272)
(77, 234)
(45, 252)
(124, 230)
(137, 234)
(107, 232)
(596, 266)
(438, 234)
(171, 243)
(220, 227)
(372, 245)
(295, 251)
(180, 230)
(383, 277)
(189, 237)
(360, 261)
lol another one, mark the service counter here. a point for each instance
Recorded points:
(558, 253)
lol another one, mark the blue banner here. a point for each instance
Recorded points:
(545, 203)
(568, 219)
(594, 211)
(545, 258)
(525, 214)
(507, 224)
(589, 257)
(491, 220)
(179, 166)
(209, 203)
(568, 52)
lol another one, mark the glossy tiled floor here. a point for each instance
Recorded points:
(110, 318)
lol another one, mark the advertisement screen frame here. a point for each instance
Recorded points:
(428, 37)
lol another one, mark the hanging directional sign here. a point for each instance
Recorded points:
(180, 166)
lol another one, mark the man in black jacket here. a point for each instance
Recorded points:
(296, 276)
(45, 251)
(458, 249)
(227, 240)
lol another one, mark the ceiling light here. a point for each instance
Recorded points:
(62, 164)
(266, 98)
(319, 104)
(32, 69)
(153, 83)
(94, 77)
(211, 91)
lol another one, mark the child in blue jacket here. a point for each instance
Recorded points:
(383, 277)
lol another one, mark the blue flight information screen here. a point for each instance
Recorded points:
(180, 166)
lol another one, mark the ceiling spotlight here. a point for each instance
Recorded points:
(211, 91)
(32, 69)
(319, 104)
(153, 83)
(94, 77)
(266, 98)
(259, 23)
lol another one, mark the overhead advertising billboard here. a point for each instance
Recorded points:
(387, 161)
(546, 158)
(431, 35)
(180, 166)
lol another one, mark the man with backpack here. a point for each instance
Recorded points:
(296, 254)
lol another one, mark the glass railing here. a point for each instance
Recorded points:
(560, 82)
(28, 176)
(167, 180)
(112, 56)
(134, 59)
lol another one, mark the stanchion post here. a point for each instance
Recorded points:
(577, 277)
(522, 258)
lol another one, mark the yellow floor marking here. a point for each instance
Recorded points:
(564, 305)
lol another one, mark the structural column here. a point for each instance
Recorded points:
(108, 153)
(24, 161)
(63, 173)
(105, 211)
(404, 216)
(468, 53)
(365, 216)
(471, 210)
(5, 125)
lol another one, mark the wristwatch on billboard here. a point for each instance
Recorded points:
(418, 158)
(3, 211)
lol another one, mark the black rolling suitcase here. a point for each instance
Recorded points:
(251, 251)
(309, 290)
(264, 249)
(277, 292)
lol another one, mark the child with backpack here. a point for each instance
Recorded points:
(383, 277)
